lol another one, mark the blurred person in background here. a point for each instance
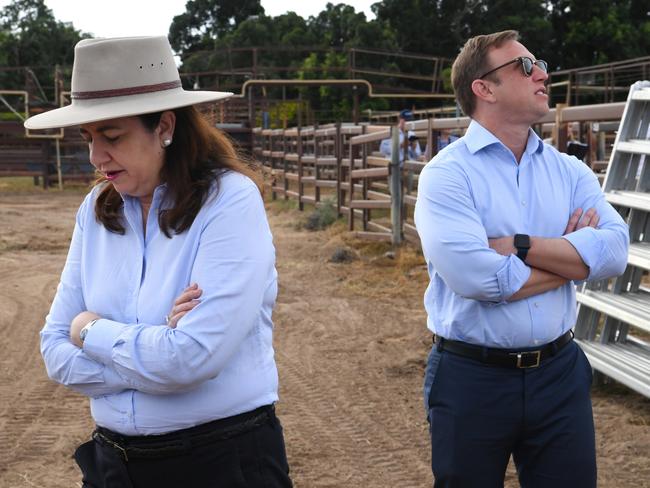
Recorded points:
(409, 147)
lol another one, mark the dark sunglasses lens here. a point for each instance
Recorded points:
(543, 65)
(527, 66)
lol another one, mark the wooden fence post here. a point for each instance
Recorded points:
(560, 128)
(301, 205)
(395, 188)
(338, 152)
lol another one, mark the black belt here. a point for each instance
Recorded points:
(507, 358)
(181, 441)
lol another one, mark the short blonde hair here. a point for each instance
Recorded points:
(472, 62)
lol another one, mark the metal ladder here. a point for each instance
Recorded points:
(610, 311)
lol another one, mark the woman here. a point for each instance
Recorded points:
(163, 313)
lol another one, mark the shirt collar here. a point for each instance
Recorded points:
(478, 137)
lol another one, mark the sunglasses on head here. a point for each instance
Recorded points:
(527, 65)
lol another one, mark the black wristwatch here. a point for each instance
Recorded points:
(522, 243)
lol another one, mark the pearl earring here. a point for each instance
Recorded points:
(166, 142)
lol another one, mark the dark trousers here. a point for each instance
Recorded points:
(253, 459)
(479, 415)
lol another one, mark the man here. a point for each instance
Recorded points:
(500, 216)
(411, 146)
(414, 151)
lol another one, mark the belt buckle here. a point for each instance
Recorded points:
(522, 363)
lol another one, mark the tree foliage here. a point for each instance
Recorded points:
(588, 32)
(567, 33)
(209, 34)
(205, 21)
(31, 36)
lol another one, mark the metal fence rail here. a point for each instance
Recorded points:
(612, 311)
(342, 161)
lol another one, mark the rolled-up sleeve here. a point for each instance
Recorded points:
(455, 242)
(604, 249)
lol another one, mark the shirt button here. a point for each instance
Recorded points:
(536, 305)
(523, 202)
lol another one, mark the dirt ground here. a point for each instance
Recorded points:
(350, 341)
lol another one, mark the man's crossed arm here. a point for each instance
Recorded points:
(553, 261)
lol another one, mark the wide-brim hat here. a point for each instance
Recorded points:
(121, 77)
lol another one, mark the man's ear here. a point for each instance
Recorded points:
(483, 90)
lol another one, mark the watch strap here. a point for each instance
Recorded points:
(522, 244)
(522, 253)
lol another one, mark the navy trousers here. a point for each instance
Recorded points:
(479, 415)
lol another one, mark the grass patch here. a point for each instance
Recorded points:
(340, 226)
(322, 216)
(281, 205)
(384, 272)
(19, 183)
(367, 247)
(25, 184)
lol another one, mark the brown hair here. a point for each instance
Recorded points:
(192, 163)
(472, 62)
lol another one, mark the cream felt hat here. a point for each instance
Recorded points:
(120, 77)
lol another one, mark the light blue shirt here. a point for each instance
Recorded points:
(142, 376)
(474, 190)
(386, 147)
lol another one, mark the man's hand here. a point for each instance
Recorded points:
(78, 323)
(185, 302)
(503, 245)
(589, 219)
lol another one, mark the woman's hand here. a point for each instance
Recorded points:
(78, 323)
(183, 304)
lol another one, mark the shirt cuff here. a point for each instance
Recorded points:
(512, 276)
(100, 339)
(589, 247)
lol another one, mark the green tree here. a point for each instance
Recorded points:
(289, 34)
(376, 34)
(337, 25)
(529, 17)
(440, 27)
(31, 36)
(598, 31)
(204, 21)
(567, 33)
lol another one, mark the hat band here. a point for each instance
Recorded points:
(120, 92)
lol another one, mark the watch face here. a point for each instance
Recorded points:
(522, 240)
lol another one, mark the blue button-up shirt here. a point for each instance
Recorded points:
(142, 376)
(386, 148)
(474, 190)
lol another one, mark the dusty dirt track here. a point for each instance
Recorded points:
(350, 342)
